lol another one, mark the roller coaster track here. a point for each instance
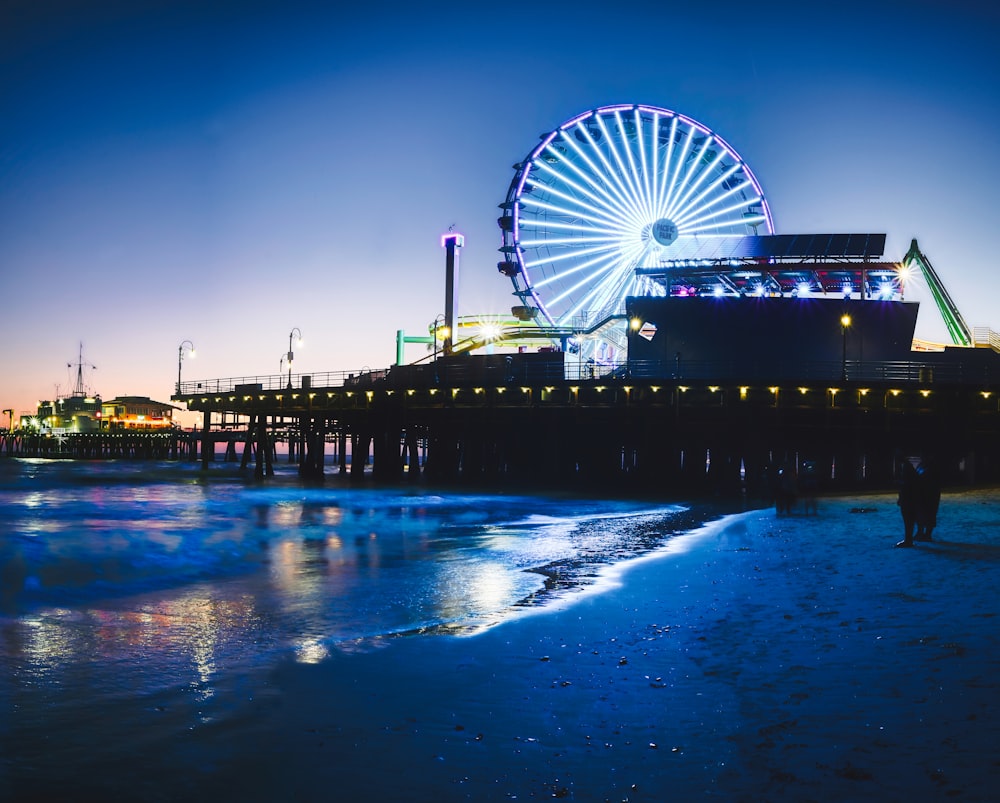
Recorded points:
(958, 329)
(603, 323)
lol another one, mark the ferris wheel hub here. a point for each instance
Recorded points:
(664, 231)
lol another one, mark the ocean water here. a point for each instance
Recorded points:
(126, 580)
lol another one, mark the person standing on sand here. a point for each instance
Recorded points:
(929, 493)
(909, 502)
(808, 485)
(787, 489)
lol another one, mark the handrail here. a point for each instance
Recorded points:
(460, 372)
(299, 382)
(984, 336)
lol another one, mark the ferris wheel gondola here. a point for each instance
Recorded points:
(613, 190)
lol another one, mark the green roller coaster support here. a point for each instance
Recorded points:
(402, 338)
(958, 329)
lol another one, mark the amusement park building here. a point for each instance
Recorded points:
(73, 413)
(136, 412)
(79, 413)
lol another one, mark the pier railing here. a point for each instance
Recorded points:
(458, 372)
(777, 371)
(273, 382)
(984, 336)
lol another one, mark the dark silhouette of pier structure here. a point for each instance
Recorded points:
(518, 420)
(712, 395)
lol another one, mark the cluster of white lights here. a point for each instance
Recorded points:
(489, 331)
(692, 263)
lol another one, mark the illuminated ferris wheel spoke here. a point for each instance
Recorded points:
(684, 187)
(601, 199)
(705, 210)
(652, 173)
(613, 190)
(604, 295)
(661, 194)
(648, 162)
(622, 170)
(569, 255)
(600, 297)
(605, 178)
(598, 191)
(633, 174)
(632, 144)
(673, 184)
(582, 225)
(645, 172)
(750, 221)
(711, 195)
(578, 213)
(565, 274)
(653, 176)
(592, 212)
(688, 224)
(599, 178)
(591, 281)
(685, 200)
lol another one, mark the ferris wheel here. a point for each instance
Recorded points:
(614, 190)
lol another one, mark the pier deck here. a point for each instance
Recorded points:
(502, 419)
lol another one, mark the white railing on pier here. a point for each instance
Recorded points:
(296, 383)
(984, 336)
(461, 373)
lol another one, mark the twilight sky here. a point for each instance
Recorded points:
(225, 171)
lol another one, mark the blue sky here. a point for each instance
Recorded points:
(224, 172)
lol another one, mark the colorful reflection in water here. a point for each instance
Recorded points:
(123, 580)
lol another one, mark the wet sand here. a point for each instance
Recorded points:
(763, 658)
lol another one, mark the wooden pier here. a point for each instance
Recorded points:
(100, 445)
(518, 420)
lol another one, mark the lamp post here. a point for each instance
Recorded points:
(845, 323)
(185, 344)
(443, 329)
(291, 355)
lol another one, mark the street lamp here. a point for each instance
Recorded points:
(291, 355)
(845, 323)
(444, 330)
(185, 344)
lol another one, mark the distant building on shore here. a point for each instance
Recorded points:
(79, 413)
(74, 413)
(136, 412)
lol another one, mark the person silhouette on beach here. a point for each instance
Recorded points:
(787, 488)
(808, 486)
(929, 499)
(908, 501)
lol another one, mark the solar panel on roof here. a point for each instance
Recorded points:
(856, 245)
(838, 245)
(816, 245)
(809, 245)
(789, 246)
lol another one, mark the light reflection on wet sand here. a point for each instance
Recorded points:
(152, 598)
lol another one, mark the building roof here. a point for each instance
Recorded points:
(134, 400)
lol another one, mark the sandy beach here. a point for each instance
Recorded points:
(761, 658)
